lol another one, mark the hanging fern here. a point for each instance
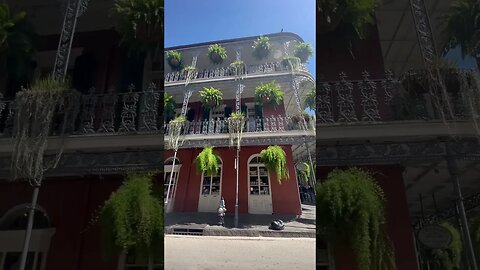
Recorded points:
(275, 161)
(36, 116)
(174, 59)
(217, 53)
(303, 51)
(261, 47)
(269, 93)
(169, 105)
(238, 67)
(352, 207)
(306, 173)
(448, 258)
(207, 162)
(292, 63)
(211, 97)
(132, 218)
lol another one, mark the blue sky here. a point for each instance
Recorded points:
(194, 21)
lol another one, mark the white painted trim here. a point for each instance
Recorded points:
(258, 165)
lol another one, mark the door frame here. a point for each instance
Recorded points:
(168, 169)
(201, 184)
(248, 183)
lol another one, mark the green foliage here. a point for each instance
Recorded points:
(238, 67)
(174, 59)
(303, 51)
(261, 47)
(305, 175)
(275, 161)
(359, 13)
(8, 22)
(211, 97)
(217, 53)
(352, 207)
(141, 23)
(474, 225)
(463, 26)
(207, 162)
(310, 99)
(180, 119)
(132, 218)
(236, 116)
(51, 84)
(450, 257)
(188, 69)
(269, 93)
(169, 105)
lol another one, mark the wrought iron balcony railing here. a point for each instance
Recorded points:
(227, 71)
(387, 99)
(269, 124)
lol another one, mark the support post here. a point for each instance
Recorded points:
(236, 187)
(28, 232)
(453, 170)
(313, 177)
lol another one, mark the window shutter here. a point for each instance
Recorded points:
(205, 114)
(258, 111)
(190, 115)
(243, 108)
(228, 111)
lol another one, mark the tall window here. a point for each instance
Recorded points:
(166, 180)
(211, 184)
(258, 177)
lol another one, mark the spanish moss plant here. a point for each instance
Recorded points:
(352, 207)
(275, 161)
(132, 218)
(303, 51)
(211, 97)
(175, 132)
(174, 59)
(269, 93)
(450, 257)
(217, 53)
(238, 67)
(169, 106)
(36, 114)
(306, 174)
(207, 162)
(261, 48)
(310, 99)
(236, 123)
(292, 63)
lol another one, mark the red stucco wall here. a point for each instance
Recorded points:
(398, 218)
(285, 198)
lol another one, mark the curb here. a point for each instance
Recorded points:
(251, 233)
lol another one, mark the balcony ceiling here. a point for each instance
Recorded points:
(398, 36)
(47, 15)
(432, 180)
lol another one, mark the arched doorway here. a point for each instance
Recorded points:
(166, 181)
(259, 188)
(12, 234)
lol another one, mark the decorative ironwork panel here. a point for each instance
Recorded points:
(345, 102)
(149, 109)
(129, 111)
(324, 106)
(426, 41)
(369, 98)
(107, 113)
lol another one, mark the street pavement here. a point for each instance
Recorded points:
(238, 253)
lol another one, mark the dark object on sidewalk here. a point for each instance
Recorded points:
(277, 225)
(221, 212)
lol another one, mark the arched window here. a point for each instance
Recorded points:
(12, 226)
(211, 184)
(170, 172)
(258, 177)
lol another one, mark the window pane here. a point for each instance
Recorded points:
(264, 191)
(254, 190)
(12, 261)
(263, 171)
(264, 181)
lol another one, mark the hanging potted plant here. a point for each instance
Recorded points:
(174, 59)
(141, 22)
(269, 93)
(132, 219)
(299, 117)
(310, 99)
(211, 97)
(447, 258)
(207, 162)
(275, 161)
(217, 53)
(261, 48)
(352, 207)
(169, 105)
(303, 51)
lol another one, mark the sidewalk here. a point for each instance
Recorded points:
(249, 224)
